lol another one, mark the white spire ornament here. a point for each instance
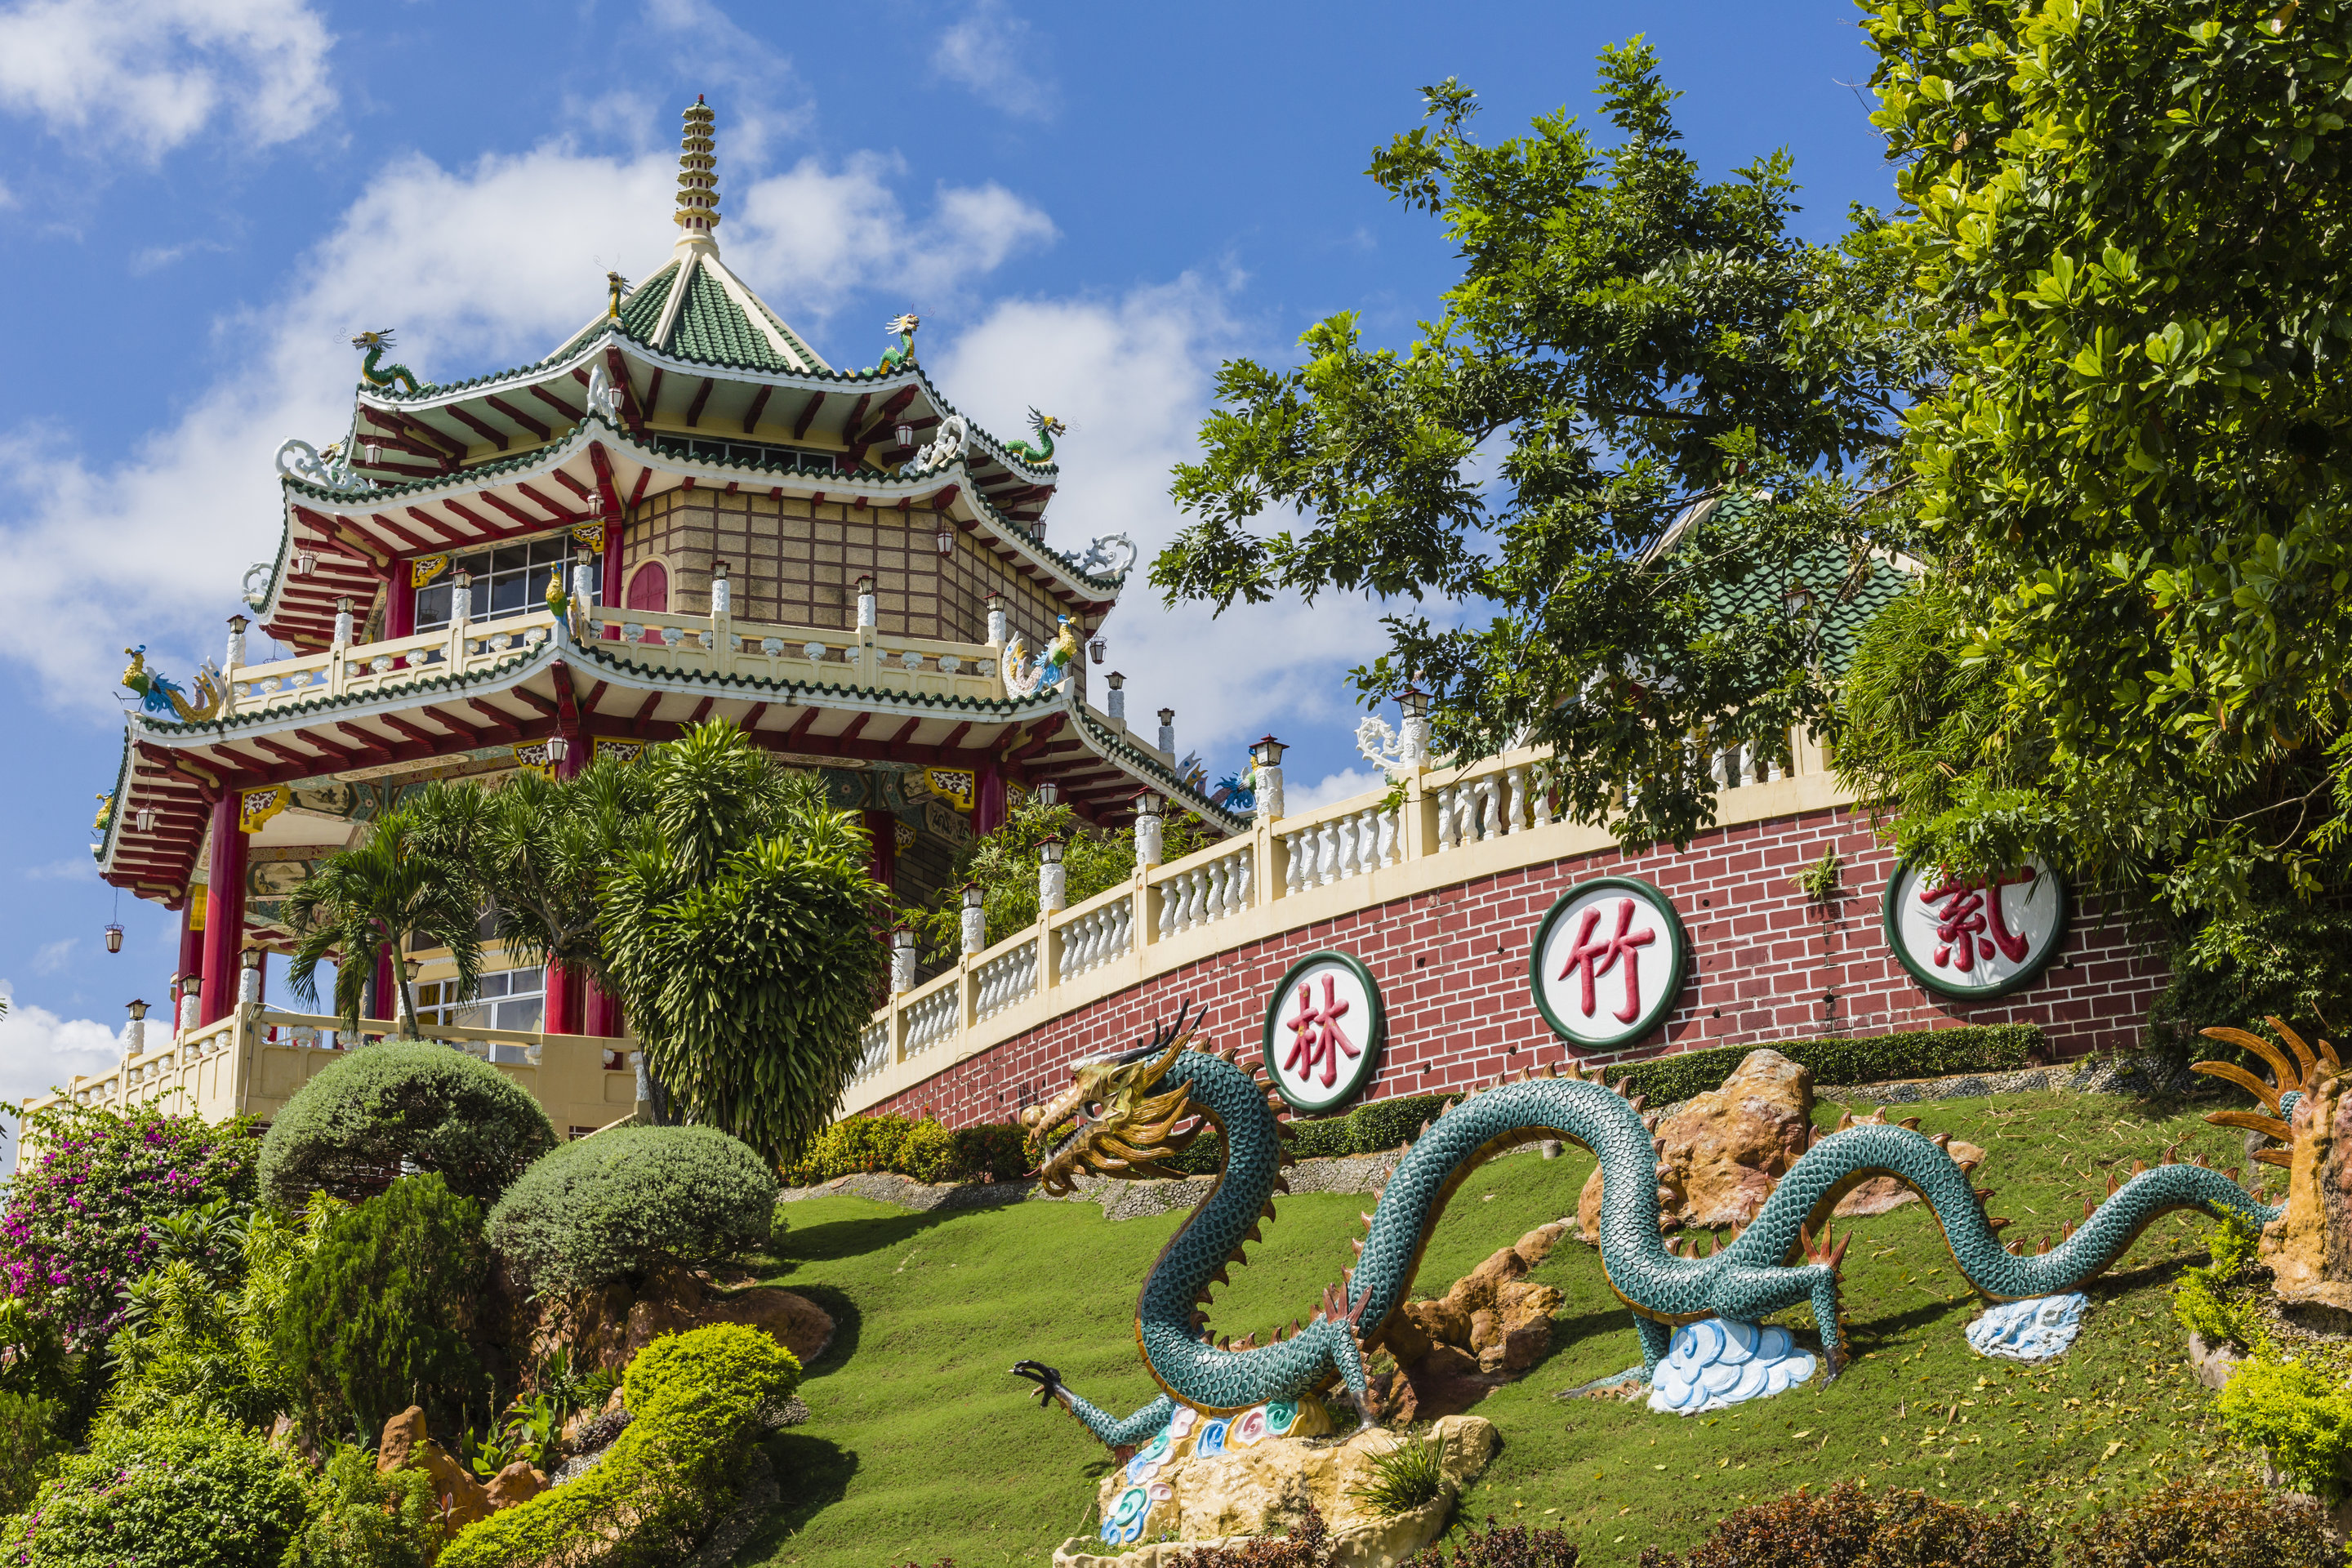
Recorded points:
(697, 175)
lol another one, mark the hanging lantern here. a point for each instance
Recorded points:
(114, 939)
(906, 434)
(947, 539)
(1094, 649)
(146, 818)
(305, 562)
(373, 451)
(557, 748)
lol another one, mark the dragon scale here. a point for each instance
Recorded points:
(1770, 1265)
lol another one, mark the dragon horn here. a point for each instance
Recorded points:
(2294, 1043)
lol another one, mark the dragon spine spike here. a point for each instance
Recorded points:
(1997, 1222)
(1984, 1195)
(1365, 1218)
(2139, 1166)
(1844, 1120)
(2090, 1208)
(2066, 1231)
(1618, 1088)
(2169, 1159)
(1665, 1195)
(2294, 1043)
(1252, 1234)
(1225, 1345)
(2232, 1173)
(1940, 1139)
(2111, 1184)
(2041, 1246)
(1657, 1145)
(1910, 1121)
(1268, 1212)
(1650, 1121)
(2015, 1249)
(1357, 1242)
(1638, 1101)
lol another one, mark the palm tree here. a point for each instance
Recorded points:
(399, 889)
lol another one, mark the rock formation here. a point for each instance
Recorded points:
(616, 1321)
(1724, 1151)
(464, 1499)
(2309, 1248)
(1493, 1325)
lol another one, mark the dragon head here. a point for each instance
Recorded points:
(903, 326)
(1124, 1124)
(1047, 424)
(366, 341)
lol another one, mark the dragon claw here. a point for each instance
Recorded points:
(1048, 1380)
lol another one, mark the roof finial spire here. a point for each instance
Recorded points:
(698, 178)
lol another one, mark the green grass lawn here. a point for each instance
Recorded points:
(922, 1445)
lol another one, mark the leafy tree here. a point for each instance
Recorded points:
(28, 1447)
(741, 933)
(1627, 341)
(401, 889)
(1003, 865)
(2133, 215)
(364, 1518)
(214, 1496)
(378, 1316)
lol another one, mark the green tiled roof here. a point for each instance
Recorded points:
(710, 326)
(641, 311)
(1851, 599)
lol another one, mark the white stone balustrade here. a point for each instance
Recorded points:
(1007, 978)
(932, 1020)
(1093, 939)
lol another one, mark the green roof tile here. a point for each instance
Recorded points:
(1852, 602)
(711, 326)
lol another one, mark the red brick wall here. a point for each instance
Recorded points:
(1453, 970)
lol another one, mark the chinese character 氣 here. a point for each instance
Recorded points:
(1969, 925)
(1317, 1037)
(1597, 958)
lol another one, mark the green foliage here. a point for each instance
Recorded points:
(90, 1214)
(2284, 957)
(33, 1360)
(378, 1316)
(1003, 866)
(620, 1204)
(28, 1447)
(401, 890)
(347, 1130)
(1859, 1528)
(193, 1497)
(987, 1152)
(364, 1520)
(740, 934)
(1408, 1476)
(1500, 1546)
(2300, 1413)
(1875, 1058)
(1371, 1127)
(1819, 881)
(2184, 1525)
(2130, 492)
(696, 1403)
(1633, 340)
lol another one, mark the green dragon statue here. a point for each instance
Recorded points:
(1046, 427)
(376, 373)
(904, 354)
(1134, 1110)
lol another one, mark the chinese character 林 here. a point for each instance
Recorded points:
(1318, 1038)
(1597, 958)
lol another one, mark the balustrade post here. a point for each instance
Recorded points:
(897, 1030)
(722, 619)
(867, 623)
(967, 995)
(232, 664)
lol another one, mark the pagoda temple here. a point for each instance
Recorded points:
(683, 512)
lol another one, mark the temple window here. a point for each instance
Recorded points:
(649, 589)
(505, 999)
(511, 580)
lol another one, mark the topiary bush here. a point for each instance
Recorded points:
(378, 1316)
(347, 1130)
(2300, 1413)
(2179, 1525)
(622, 1203)
(697, 1401)
(988, 1151)
(361, 1519)
(87, 1214)
(193, 1497)
(1854, 1528)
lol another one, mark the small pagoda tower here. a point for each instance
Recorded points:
(837, 561)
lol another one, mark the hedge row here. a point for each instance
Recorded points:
(991, 1151)
(929, 1153)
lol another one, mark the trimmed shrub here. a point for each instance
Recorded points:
(1857, 1529)
(89, 1215)
(989, 1151)
(28, 1445)
(2182, 1526)
(1880, 1059)
(928, 1152)
(2300, 1413)
(622, 1203)
(347, 1130)
(364, 1520)
(697, 1401)
(1503, 1546)
(378, 1316)
(195, 1497)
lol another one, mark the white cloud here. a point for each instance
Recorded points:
(812, 235)
(757, 97)
(39, 1050)
(52, 955)
(478, 268)
(73, 868)
(148, 75)
(1132, 378)
(988, 52)
(1333, 787)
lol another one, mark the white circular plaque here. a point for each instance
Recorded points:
(1324, 1030)
(1963, 938)
(1607, 961)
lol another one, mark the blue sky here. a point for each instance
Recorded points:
(1090, 205)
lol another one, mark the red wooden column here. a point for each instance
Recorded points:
(602, 1011)
(561, 1013)
(400, 603)
(192, 943)
(882, 862)
(387, 986)
(988, 805)
(223, 909)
